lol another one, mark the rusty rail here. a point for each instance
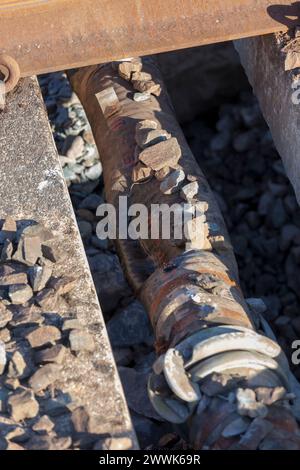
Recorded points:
(216, 364)
(48, 35)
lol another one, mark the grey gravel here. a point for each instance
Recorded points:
(76, 148)
(238, 157)
(130, 326)
(189, 191)
(20, 293)
(257, 305)
(138, 97)
(55, 354)
(247, 404)
(39, 276)
(17, 366)
(8, 230)
(260, 209)
(44, 424)
(94, 172)
(44, 377)
(43, 335)
(146, 137)
(72, 324)
(22, 405)
(5, 316)
(7, 251)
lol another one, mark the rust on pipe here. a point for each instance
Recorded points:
(49, 35)
(213, 354)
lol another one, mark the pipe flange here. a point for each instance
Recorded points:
(11, 71)
(173, 386)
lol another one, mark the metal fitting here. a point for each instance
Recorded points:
(10, 70)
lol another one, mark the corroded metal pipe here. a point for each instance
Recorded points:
(277, 91)
(216, 368)
(48, 35)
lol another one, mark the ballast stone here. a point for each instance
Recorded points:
(147, 137)
(171, 184)
(147, 87)
(44, 377)
(43, 335)
(140, 97)
(126, 69)
(140, 172)
(20, 293)
(166, 153)
(189, 191)
(81, 341)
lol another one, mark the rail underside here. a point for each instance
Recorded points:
(47, 35)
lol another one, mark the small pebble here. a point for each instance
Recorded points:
(171, 184)
(8, 230)
(147, 137)
(22, 405)
(44, 377)
(2, 357)
(140, 97)
(189, 191)
(127, 68)
(20, 293)
(94, 172)
(39, 276)
(17, 366)
(165, 153)
(5, 316)
(140, 172)
(76, 148)
(55, 354)
(247, 404)
(43, 425)
(147, 87)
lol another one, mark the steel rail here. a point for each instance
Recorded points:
(49, 35)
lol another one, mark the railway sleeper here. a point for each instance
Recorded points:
(59, 387)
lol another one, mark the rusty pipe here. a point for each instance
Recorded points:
(10, 70)
(214, 358)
